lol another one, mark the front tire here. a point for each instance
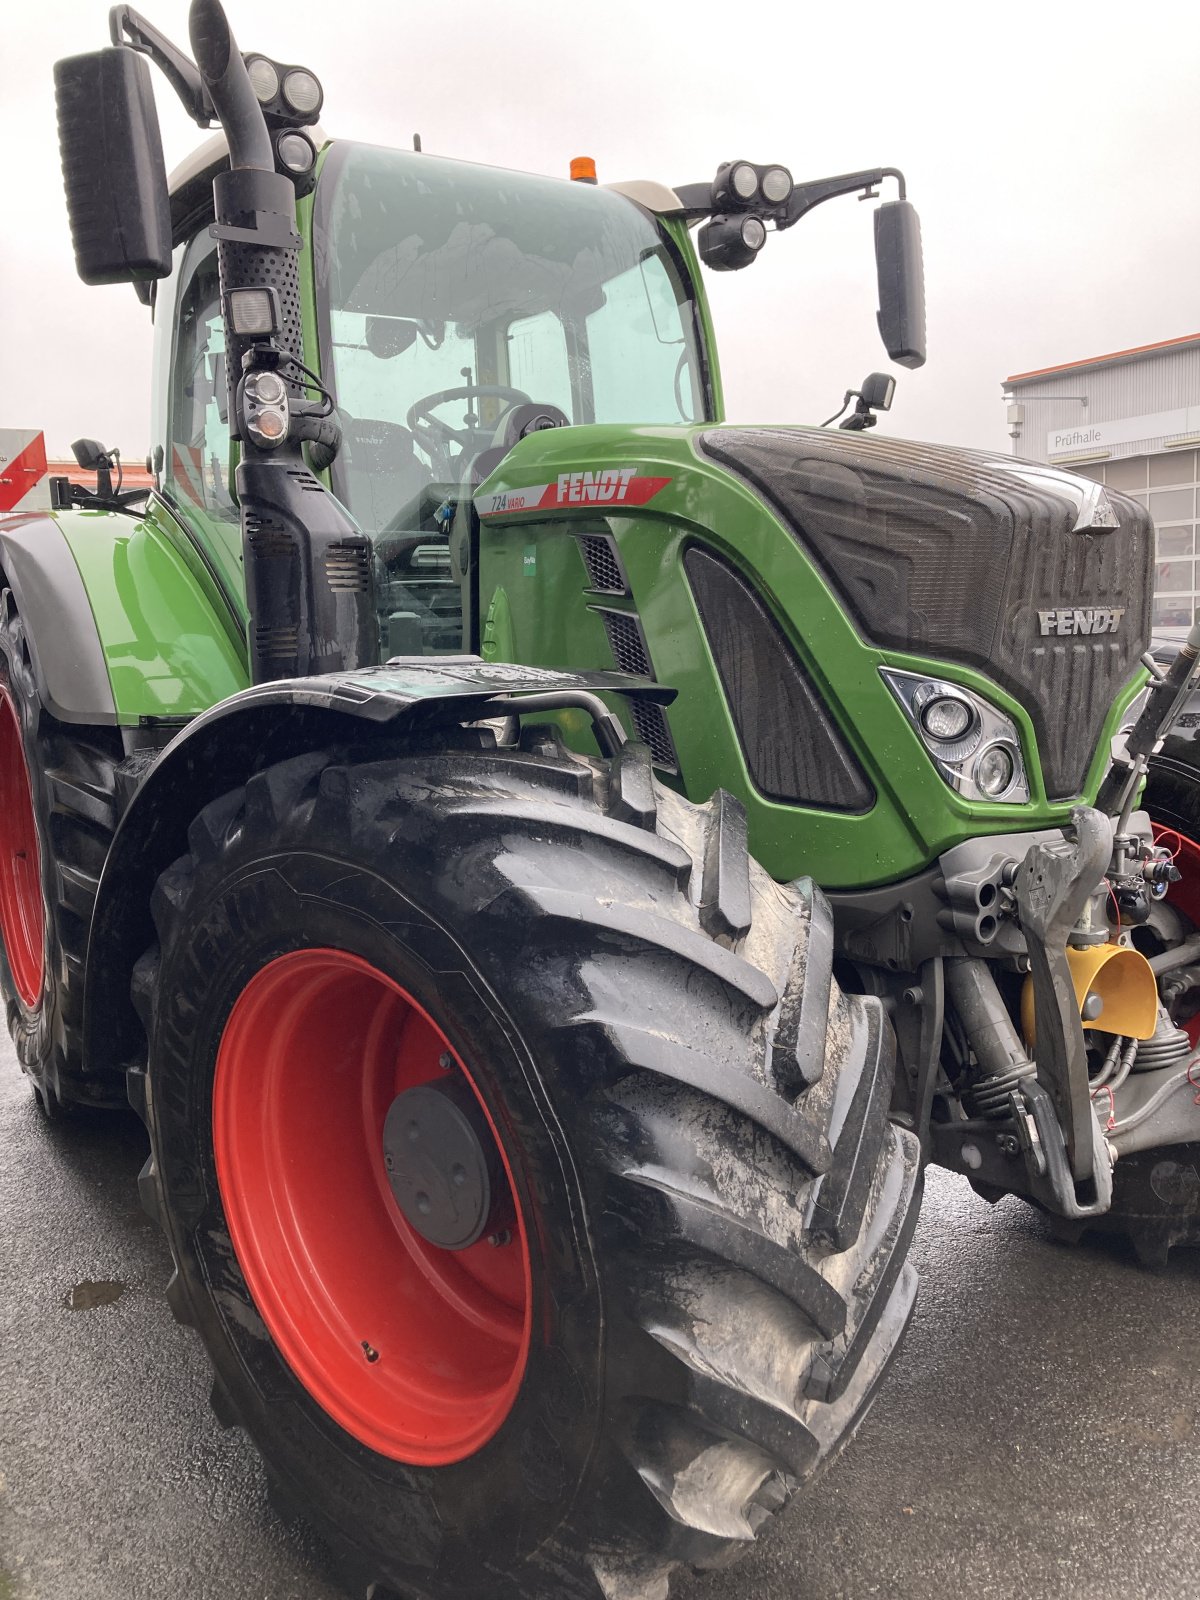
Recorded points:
(710, 1212)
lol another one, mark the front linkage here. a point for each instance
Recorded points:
(1049, 928)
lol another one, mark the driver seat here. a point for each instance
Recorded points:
(520, 420)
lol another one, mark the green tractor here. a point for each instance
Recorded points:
(548, 867)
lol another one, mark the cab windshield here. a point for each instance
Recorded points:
(446, 294)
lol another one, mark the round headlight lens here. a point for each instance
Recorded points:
(264, 79)
(994, 770)
(776, 184)
(296, 153)
(743, 180)
(301, 91)
(946, 717)
(754, 234)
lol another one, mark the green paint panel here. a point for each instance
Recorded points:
(555, 621)
(172, 647)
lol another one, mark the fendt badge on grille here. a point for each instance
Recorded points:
(1065, 621)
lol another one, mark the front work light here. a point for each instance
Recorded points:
(302, 91)
(777, 185)
(264, 79)
(727, 243)
(253, 313)
(743, 186)
(296, 152)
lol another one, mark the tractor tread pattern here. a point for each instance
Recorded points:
(752, 1222)
(73, 773)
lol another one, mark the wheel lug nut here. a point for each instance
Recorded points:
(497, 1239)
(446, 1061)
(423, 1203)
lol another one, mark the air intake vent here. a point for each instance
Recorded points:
(270, 543)
(279, 644)
(650, 723)
(627, 644)
(604, 570)
(794, 750)
(348, 567)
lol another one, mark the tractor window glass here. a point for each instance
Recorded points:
(643, 365)
(448, 293)
(196, 467)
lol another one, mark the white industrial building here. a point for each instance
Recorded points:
(1130, 419)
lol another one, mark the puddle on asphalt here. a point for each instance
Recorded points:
(89, 1294)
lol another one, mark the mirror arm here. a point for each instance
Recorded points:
(807, 195)
(127, 28)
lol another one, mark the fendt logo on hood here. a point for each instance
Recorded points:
(1066, 621)
(608, 486)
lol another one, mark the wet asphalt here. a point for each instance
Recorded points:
(1038, 1436)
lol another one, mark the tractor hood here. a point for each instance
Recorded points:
(1035, 577)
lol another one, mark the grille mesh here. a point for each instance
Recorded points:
(605, 574)
(650, 723)
(626, 643)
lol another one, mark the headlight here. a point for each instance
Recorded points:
(974, 746)
(995, 769)
(302, 91)
(776, 185)
(264, 78)
(743, 180)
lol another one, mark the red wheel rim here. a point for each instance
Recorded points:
(417, 1351)
(22, 915)
(1184, 895)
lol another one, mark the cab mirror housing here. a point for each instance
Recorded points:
(113, 172)
(901, 282)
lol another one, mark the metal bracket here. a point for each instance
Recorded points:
(1053, 885)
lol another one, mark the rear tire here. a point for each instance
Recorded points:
(62, 779)
(693, 1117)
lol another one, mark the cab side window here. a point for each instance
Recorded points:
(196, 468)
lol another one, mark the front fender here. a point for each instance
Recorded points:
(220, 749)
(126, 621)
(69, 666)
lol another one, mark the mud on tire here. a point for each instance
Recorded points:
(695, 1119)
(70, 770)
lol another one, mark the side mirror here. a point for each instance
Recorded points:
(387, 337)
(901, 282)
(113, 170)
(90, 454)
(877, 391)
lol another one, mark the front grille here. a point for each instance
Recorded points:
(952, 554)
(604, 570)
(793, 749)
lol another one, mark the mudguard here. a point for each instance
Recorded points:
(225, 745)
(127, 623)
(69, 665)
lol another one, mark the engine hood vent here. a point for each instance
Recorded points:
(1029, 574)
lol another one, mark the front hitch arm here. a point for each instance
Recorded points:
(1053, 886)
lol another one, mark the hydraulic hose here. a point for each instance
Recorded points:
(228, 84)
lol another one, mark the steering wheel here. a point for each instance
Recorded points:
(435, 436)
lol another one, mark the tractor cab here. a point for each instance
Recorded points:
(458, 307)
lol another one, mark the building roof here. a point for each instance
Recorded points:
(1113, 359)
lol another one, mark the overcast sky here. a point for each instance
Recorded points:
(1053, 151)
